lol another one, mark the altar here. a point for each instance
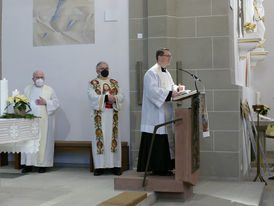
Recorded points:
(19, 135)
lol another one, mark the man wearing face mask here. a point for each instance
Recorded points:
(105, 101)
(44, 103)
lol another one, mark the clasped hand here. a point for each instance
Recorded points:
(111, 99)
(40, 101)
(174, 94)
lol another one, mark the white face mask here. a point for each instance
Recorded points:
(39, 82)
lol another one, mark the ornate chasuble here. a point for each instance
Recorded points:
(104, 87)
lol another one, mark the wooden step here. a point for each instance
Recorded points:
(125, 199)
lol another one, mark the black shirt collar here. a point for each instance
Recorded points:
(163, 69)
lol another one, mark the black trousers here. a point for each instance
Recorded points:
(160, 157)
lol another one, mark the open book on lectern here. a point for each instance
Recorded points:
(184, 94)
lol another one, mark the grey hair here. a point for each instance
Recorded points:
(34, 73)
(99, 63)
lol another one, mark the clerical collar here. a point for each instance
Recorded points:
(163, 69)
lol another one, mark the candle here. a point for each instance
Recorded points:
(3, 95)
(15, 92)
(258, 98)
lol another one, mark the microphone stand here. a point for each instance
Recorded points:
(193, 76)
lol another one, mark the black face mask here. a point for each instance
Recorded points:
(104, 73)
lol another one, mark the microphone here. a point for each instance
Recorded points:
(193, 75)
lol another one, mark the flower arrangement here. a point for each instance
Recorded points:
(20, 104)
(265, 110)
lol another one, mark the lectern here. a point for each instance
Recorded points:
(187, 156)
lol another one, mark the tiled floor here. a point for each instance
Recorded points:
(73, 186)
(59, 186)
(221, 193)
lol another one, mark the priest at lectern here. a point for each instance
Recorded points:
(159, 89)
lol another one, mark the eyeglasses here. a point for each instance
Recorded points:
(103, 68)
(166, 55)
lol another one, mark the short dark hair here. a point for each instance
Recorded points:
(160, 52)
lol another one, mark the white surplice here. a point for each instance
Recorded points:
(107, 159)
(32, 93)
(155, 110)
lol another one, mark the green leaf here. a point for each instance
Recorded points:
(16, 116)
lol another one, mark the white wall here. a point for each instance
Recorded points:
(68, 69)
(263, 76)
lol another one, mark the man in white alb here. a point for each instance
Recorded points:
(157, 108)
(105, 101)
(44, 103)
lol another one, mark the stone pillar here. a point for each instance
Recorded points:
(138, 49)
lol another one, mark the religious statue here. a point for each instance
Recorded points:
(248, 15)
(259, 17)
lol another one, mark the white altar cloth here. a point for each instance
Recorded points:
(19, 135)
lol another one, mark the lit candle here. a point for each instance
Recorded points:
(3, 95)
(15, 92)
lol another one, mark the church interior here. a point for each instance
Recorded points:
(226, 44)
